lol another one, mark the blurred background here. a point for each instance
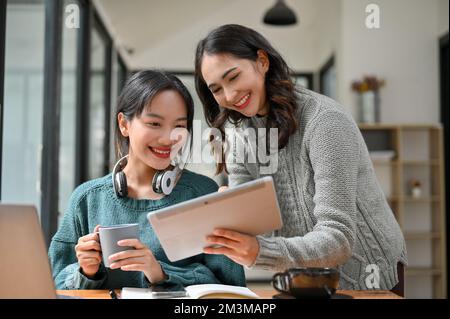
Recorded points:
(63, 64)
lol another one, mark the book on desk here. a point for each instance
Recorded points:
(205, 291)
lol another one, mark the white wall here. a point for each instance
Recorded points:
(443, 17)
(180, 28)
(328, 30)
(403, 51)
(328, 34)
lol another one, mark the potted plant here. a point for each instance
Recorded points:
(368, 89)
(416, 188)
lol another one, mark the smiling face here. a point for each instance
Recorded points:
(237, 84)
(150, 133)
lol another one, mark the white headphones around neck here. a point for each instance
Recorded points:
(163, 181)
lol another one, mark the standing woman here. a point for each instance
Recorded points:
(334, 211)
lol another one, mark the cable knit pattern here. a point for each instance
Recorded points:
(334, 211)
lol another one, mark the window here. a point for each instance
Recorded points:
(84, 118)
(207, 165)
(304, 80)
(68, 114)
(328, 81)
(98, 105)
(23, 102)
(122, 75)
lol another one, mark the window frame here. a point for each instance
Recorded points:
(51, 117)
(52, 86)
(323, 70)
(2, 79)
(102, 31)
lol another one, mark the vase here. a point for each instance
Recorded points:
(368, 107)
(416, 192)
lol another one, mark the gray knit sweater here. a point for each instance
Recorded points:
(333, 209)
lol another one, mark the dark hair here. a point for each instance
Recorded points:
(138, 92)
(244, 43)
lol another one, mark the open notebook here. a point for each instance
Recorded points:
(206, 291)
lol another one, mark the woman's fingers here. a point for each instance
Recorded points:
(131, 243)
(133, 267)
(89, 237)
(92, 236)
(141, 255)
(222, 241)
(229, 238)
(241, 248)
(128, 261)
(88, 245)
(127, 254)
(218, 251)
(89, 254)
(89, 262)
(231, 234)
(230, 253)
(222, 188)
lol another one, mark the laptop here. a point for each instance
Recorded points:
(250, 208)
(24, 266)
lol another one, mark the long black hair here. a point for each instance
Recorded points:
(244, 43)
(138, 92)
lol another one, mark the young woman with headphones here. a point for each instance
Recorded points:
(152, 105)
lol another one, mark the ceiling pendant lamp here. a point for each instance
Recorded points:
(280, 14)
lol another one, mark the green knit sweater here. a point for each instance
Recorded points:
(95, 203)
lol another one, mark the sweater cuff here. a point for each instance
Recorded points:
(167, 278)
(80, 281)
(145, 282)
(270, 255)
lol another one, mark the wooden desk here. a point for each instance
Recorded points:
(263, 293)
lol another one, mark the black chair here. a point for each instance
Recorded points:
(399, 289)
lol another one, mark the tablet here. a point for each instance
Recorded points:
(250, 208)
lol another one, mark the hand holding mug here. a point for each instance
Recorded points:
(89, 253)
(139, 258)
(123, 250)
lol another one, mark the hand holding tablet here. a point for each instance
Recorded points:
(250, 208)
